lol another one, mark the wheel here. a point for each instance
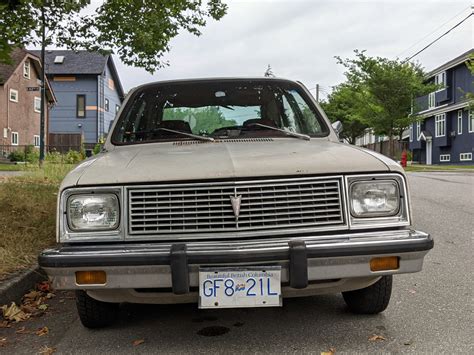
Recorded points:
(370, 300)
(93, 313)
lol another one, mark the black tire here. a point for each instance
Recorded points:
(93, 313)
(370, 300)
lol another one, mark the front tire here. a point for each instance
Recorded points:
(370, 300)
(93, 313)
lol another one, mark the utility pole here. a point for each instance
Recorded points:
(317, 93)
(43, 88)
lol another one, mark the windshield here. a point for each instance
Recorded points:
(217, 109)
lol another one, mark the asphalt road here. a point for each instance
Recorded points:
(430, 312)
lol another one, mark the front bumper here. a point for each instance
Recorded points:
(174, 267)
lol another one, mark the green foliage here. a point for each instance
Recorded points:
(343, 104)
(97, 149)
(385, 90)
(204, 120)
(73, 157)
(138, 30)
(17, 155)
(470, 95)
(54, 157)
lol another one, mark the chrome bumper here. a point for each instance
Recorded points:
(175, 266)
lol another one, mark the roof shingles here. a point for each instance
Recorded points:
(75, 62)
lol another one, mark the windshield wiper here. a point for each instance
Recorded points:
(288, 133)
(203, 138)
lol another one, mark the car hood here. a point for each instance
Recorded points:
(190, 161)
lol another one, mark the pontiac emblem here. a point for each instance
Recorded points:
(236, 200)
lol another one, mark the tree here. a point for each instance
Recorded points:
(343, 104)
(387, 88)
(470, 95)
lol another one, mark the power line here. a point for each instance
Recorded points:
(438, 38)
(435, 30)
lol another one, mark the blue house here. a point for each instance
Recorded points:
(88, 93)
(445, 132)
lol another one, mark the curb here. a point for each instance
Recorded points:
(13, 289)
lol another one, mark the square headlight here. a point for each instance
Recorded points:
(374, 198)
(93, 212)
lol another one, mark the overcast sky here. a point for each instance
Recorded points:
(299, 39)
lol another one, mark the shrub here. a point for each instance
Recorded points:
(54, 157)
(17, 155)
(73, 157)
(97, 149)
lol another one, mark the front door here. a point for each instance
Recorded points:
(429, 146)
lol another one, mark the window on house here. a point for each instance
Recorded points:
(460, 122)
(15, 138)
(418, 130)
(106, 105)
(81, 106)
(117, 108)
(36, 141)
(431, 100)
(59, 59)
(445, 157)
(465, 156)
(26, 69)
(440, 125)
(13, 95)
(37, 104)
(440, 79)
(411, 133)
(471, 121)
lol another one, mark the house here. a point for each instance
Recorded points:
(20, 102)
(88, 92)
(445, 132)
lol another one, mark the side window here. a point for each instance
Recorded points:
(81, 106)
(106, 105)
(15, 138)
(117, 108)
(13, 95)
(36, 141)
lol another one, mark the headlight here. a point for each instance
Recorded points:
(374, 198)
(93, 212)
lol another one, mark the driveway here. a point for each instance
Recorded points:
(430, 312)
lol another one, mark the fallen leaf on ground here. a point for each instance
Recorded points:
(3, 342)
(43, 307)
(376, 337)
(138, 342)
(13, 312)
(46, 350)
(42, 331)
(23, 330)
(412, 291)
(44, 286)
(331, 351)
(5, 324)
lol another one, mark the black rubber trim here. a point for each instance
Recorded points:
(298, 264)
(179, 269)
(75, 256)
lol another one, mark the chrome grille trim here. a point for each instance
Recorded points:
(205, 210)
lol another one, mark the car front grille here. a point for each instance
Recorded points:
(235, 206)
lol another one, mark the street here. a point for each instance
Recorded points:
(430, 312)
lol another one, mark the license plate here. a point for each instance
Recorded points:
(240, 287)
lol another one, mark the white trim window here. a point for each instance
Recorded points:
(431, 100)
(459, 121)
(36, 140)
(37, 104)
(13, 95)
(440, 125)
(26, 69)
(445, 157)
(465, 156)
(411, 133)
(440, 79)
(418, 130)
(15, 138)
(471, 121)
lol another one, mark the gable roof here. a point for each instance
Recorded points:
(18, 56)
(80, 63)
(6, 70)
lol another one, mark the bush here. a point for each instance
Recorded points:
(73, 157)
(16, 155)
(97, 149)
(54, 157)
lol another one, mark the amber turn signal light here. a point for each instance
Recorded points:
(385, 263)
(91, 277)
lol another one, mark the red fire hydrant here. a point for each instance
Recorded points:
(404, 158)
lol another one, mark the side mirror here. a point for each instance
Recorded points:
(337, 127)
